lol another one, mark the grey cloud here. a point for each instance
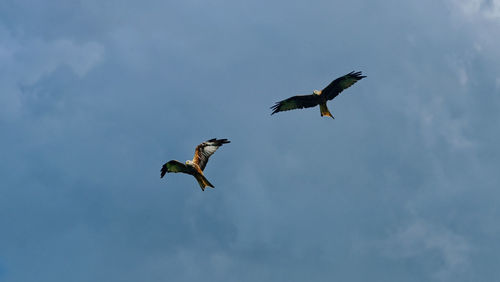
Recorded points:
(421, 238)
(96, 99)
(489, 9)
(27, 60)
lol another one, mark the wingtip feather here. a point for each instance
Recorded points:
(163, 170)
(357, 74)
(275, 108)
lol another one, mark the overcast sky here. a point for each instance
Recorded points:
(402, 186)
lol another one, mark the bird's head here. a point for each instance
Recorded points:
(317, 92)
(189, 162)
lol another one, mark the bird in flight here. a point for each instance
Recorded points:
(319, 97)
(196, 166)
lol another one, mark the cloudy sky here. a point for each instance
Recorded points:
(402, 186)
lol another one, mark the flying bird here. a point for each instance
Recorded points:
(196, 166)
(319, 97)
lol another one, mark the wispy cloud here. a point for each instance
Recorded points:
(421, 238)
(25, 60)
(489, 9)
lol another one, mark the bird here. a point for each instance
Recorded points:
(319, 97)
(196, 166)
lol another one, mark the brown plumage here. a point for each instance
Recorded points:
(196, 166)
(319, 97)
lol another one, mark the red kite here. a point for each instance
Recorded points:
(319, 97)
(196, 166)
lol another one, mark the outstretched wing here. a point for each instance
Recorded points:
(174, 166)
(206, 149)
(296, 102)
(341, 83)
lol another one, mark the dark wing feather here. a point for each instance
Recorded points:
(206, 149)
(341, 83)
(296, 102)
(175, 166)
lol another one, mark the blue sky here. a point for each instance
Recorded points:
(401, 186)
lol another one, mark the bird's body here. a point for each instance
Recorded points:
(196, 166)
(319, 97)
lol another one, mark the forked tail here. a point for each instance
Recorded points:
(203, 182)
(324, 110)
